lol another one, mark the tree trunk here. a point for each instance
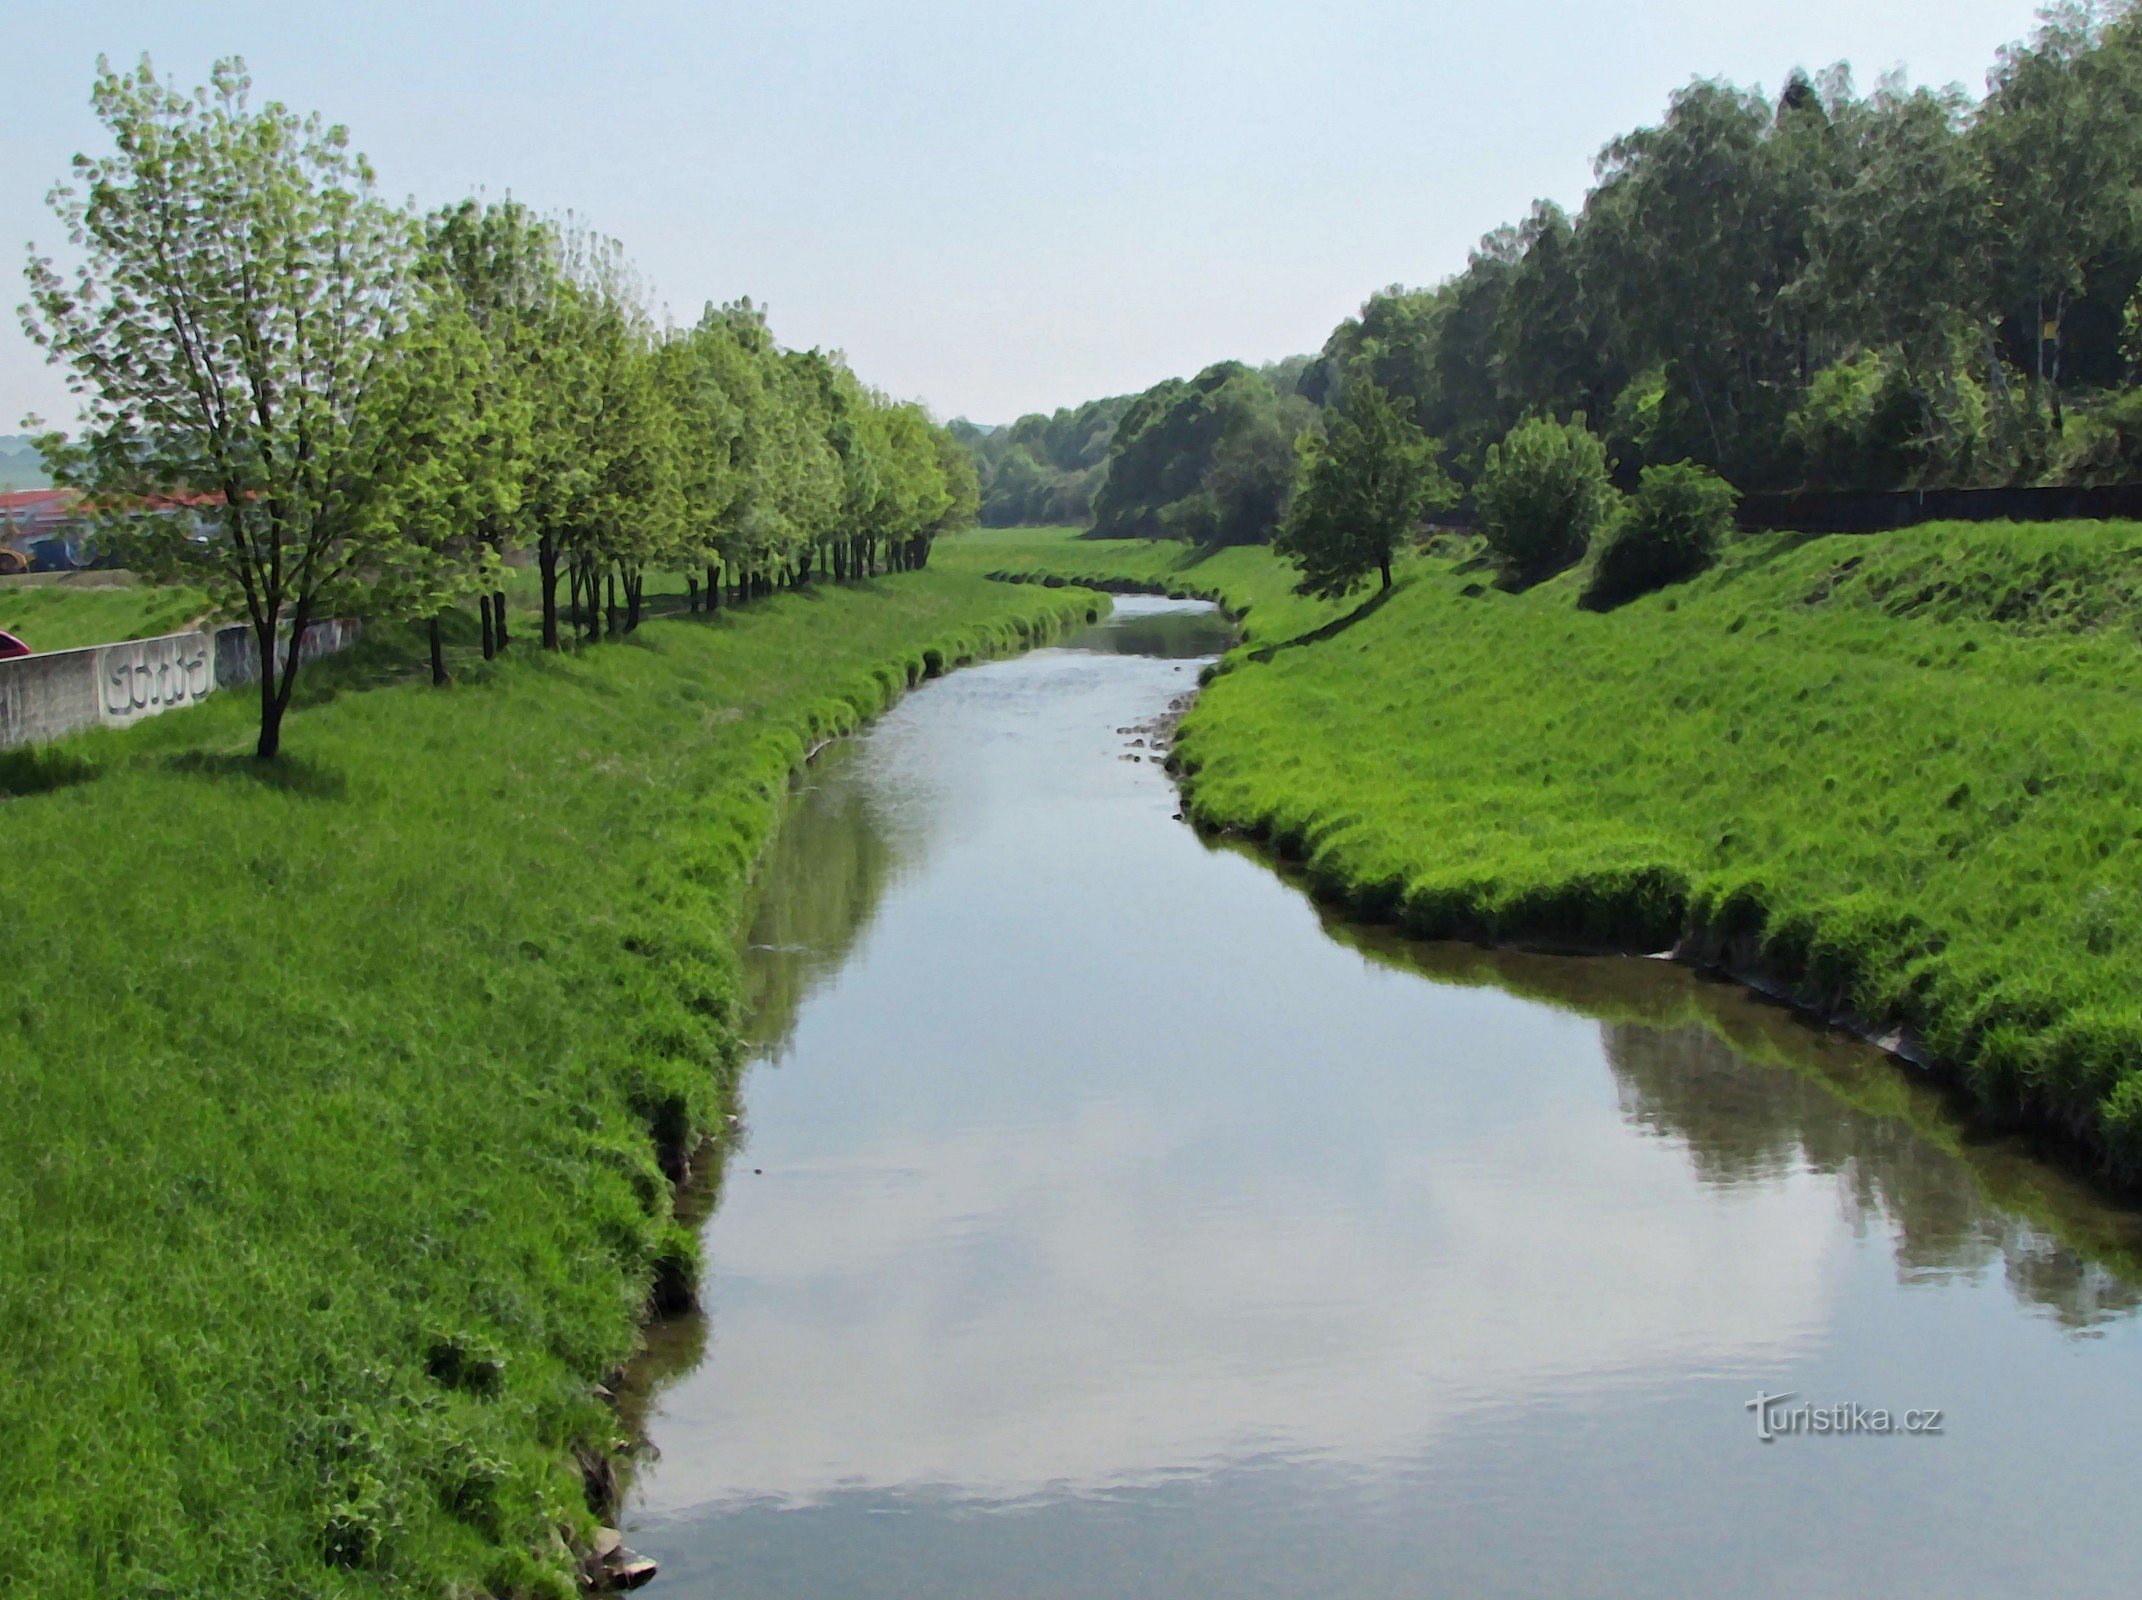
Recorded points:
(1383, 564)
(278, 676)
(691, 597)
(271, 709)
(490, 641)
(610, 605)
(498, 617)
(713, 587)
(439, 680)
(547, 569)
(2060, 306)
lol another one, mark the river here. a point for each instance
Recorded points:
(1105, 1221)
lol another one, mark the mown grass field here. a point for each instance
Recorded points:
(329, 1182)
(1902, 773)
(73, 613)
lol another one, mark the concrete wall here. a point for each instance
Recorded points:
(117, 685)
(42, 697)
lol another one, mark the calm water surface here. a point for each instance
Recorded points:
(1107, 1224)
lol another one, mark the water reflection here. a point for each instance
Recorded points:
(1743, 1126)
(1754, 1095)
(1114, 1225)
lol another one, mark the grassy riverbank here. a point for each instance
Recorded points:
(1901, 774)
(329, 1185)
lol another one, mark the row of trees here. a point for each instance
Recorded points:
(360, 410)
(1826, 288)
(1544, 498)
(1209, 459)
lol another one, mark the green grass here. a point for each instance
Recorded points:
(1901, 773)
(72, 614)
(329, 1183)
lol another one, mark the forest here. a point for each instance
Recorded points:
(1821, 288)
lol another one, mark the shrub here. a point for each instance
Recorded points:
(1541, 494)
(1670, 530)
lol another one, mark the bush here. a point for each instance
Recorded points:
(2103, 442)
(1670, 530)
(1541, 494)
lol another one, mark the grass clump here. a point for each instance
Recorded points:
(345, 1093)
(1902, 773)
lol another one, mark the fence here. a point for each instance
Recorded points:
(1878, 511)
(117, 685)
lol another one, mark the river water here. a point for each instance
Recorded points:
(1105, 1222)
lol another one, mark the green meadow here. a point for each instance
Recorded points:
(71, 614)
(345, 1093)
(1900, 775)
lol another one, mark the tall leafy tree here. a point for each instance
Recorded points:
(1364, 485)
(2061, 135)
(241, 297)
(499, 261)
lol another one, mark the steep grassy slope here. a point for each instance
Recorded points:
(1902, 773)
(329, 1182)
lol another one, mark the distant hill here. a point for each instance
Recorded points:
(20, 465)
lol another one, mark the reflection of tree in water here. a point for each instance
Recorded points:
(1744, 1123)
(839, 848)
(822, 879)
(1754, 1093)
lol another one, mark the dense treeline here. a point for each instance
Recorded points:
(1209, 459)
(1825, 288)
(1043, 470)
(350, 408)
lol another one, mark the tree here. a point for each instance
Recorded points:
(454, 480)
(1204, 460)
(242, 294)
(500, 263)
(1541, 494)
(2058, 133)
(1361, 488)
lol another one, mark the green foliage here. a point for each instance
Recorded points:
(1671, 529)
(1899, 775)
(2102, 442)
(1209, 461)
(1857, 425)
(322, 1223)
(1541, 494)
(1743, 246)
(1043, 470)
(365, 414)
(242, 298)
(1363, 487)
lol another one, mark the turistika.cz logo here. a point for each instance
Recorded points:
(1777, 1418)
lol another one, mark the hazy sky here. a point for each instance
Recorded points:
(996, 208)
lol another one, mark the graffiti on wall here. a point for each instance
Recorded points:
(47, 696)
(144, 676)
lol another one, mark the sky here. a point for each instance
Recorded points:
(992, 208)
